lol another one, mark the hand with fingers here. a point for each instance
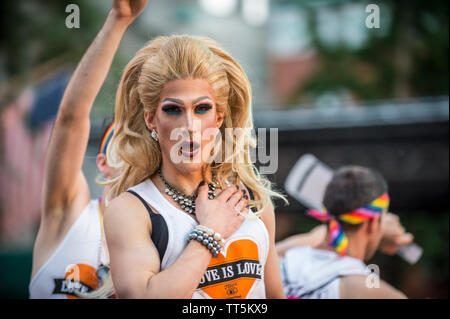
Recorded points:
(224, 214)
(128, 9)
(394, 234)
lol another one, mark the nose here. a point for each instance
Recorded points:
(189, 122)
(192, 124)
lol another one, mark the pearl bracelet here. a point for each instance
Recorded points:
(216, 236)
(206, 240)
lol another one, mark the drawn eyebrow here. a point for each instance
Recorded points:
(182, 103)
(200, 99)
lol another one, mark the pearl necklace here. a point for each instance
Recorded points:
(186, 202)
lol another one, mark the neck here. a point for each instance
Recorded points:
(356, 245)
(185, 182)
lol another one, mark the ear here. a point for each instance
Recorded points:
(374, 225)
(102, 164)
(219, 118)
(149, 119)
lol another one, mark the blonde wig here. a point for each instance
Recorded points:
(168, 58)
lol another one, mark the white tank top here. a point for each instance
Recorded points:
(310, 273)
(237, 273)
(74, 263)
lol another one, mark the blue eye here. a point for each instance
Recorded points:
(171, 109)
(202, 109)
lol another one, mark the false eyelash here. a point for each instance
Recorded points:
(204, 107)
(171, 108)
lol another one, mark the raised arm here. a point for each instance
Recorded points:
(63, 177)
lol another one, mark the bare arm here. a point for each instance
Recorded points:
(272, 274)
(63, 177)
(135, 266)
(313, 238)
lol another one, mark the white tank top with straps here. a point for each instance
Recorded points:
(74, 263)
(238, 272)
(310, 273)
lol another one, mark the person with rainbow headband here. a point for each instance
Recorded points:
(356, 205)
(70, 257)
(107, 135)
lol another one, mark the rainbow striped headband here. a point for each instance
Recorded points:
(106, 138)
(337, 238)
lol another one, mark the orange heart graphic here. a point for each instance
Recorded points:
(234, 274)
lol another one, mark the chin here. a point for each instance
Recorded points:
(189, 168)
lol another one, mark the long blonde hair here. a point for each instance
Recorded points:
(168, 58)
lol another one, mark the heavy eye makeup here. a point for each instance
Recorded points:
(173, 109)
(202, 108)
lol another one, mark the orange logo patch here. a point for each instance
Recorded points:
(233, 275)
(80, 277)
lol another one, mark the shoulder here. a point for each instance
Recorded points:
(62, 211)
(125, 214)
(268, 214)
(355, 287)
(125, 206)
(268, 218)
(57, 220)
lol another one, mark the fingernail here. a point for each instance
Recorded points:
(243, 191)
(237, 186)
(245, 196)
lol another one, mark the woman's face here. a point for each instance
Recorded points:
(186, 109)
